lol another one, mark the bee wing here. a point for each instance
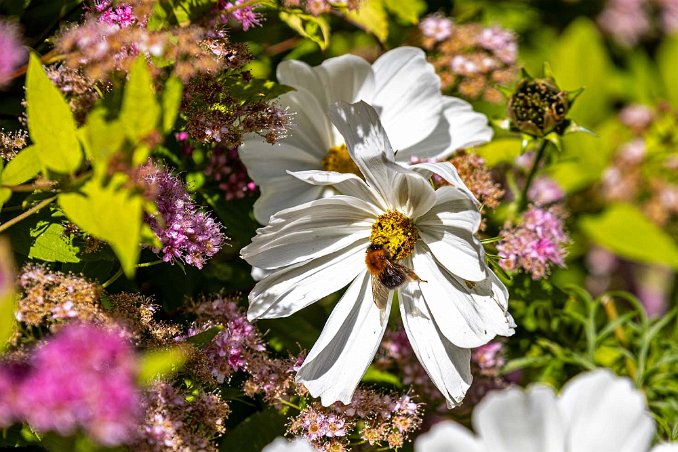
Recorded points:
(379, 293)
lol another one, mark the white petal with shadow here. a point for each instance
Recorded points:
(448, 172)
(347, 78)
(287, 291)
(346, 346)
(448, 366)
(467, 316)
(448, 436)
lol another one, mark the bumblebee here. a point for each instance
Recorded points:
(386, 274)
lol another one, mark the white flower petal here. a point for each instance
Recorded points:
(285, 292)
(673, 447)
(347, 78)
(460, 127)
(605, 413)
(448, 366)
(264, 160)
(407, 93)
(512, 420)
(281, 444)
(309, 231)
(466, 317)
(300, 75)
(368, 146)
(413, 195)
(346, 183)
(448, 172)
(311, 129)
(448, 436)
(282, 192)
(448, 230)
(346, 346)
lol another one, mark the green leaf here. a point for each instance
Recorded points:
(7, 294)
(161, 363)
(23, 167)
(580, 60)
(314, 28)
(408, 11)
(5, 194)
(255, 432)
(374, 375)
(51, 244)
(500, 150)
(110, 213)
(624, 230)
(140, 110)
(202, 339)
(50, 122)
(102, 138)
(667, 61)
(371, 17)
(171, 101)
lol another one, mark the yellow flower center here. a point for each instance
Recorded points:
(339, 160)
(395, 233)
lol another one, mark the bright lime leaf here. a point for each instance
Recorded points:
(500, 150)
(371, 16)
(140, 110)
(7, 295)
(409, 11)
(171, 101)
(109, 213)
(24, 166)
(202, 339)
(5, 194)
(50, 122)
(161, 363)
(624, 230)
(374, 375)
(103, 138)
(314, 28)
(580, 60)
(51, 244)
(667, 60)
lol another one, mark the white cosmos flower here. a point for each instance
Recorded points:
(281, 444)
(596, 412)
(317, 248)
(401, 86)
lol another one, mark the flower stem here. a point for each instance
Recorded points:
(150, 264)
(619, 333)
(522, 203)
(26, 214)
(113, 278)
(289, 404)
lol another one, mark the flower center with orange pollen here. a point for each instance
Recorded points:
(395, 233)
(339, 160)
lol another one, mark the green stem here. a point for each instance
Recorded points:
(150, 264)
(113, 278)
(26, 214)
(289, 404)
(522, 204)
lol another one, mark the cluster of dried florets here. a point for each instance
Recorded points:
(11, 143)
(80, 91)
(643, 170)
(471, 59)
(226, 168)
(180, 421)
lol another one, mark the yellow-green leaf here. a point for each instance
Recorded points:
(110, 213)
(309, 26)
(372, 17)
(50, 122)
(7, 294)
(24, 166)
(171, 101)
(408, 11)
(103, 138)
(140, 110)
(667, 60)
(624, 230)
(161, 363)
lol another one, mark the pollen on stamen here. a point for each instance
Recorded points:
(396, 233)
(338, 159)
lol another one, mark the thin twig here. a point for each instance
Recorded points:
(26, 214)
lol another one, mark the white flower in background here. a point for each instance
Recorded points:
(315, 249)
(281, 444)
(401, 86)
(596, 412)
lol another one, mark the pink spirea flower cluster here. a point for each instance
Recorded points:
(534, 245)
(227, 169)
(186, 233)
(545, 191)
(436, 27)
(629, 21)
(232, 348)
(83, 378)
(12, 54)
(121, 15)
(245, 15)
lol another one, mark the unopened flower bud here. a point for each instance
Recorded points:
(538, 107)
